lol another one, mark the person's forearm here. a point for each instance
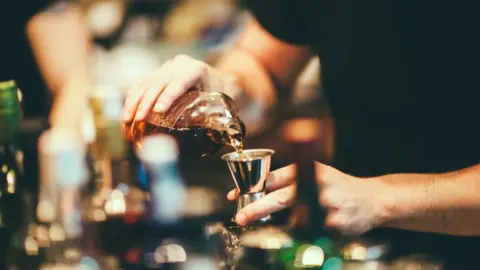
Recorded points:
(242, 72)
(245, 80)
(60, 42)
(252, 71)
(442, 203)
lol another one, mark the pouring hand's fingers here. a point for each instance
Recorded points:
(232, 195)
(272, 202)
(187, 73)
(134, 97)
(157, 86)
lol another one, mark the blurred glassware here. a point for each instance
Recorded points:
(175, 233)
(140, 29)
(112, 202)
(128, 62)
(104, 17)
(260, 248)
(418, 261)
(226, 243)
(188, 21)
(106, 105)
(63, 172)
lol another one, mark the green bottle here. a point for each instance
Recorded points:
(11, 206)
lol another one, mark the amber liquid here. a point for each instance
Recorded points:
(194, 141)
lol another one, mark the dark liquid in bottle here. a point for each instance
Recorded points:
(194, 142)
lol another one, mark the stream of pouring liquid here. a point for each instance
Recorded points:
(236, 140)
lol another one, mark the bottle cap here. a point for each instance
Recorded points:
(159, 148)
(62, 158)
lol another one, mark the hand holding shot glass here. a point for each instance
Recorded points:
(249, 170)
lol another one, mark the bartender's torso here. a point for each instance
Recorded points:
(400, 76)
(17, 60)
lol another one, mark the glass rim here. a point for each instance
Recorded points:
(257, 153)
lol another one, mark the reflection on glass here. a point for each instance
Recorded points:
(226, 242)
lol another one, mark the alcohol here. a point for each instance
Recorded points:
(193, 141)
(201, 122)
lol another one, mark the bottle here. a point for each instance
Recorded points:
(201, 122)
(175, 223)
(106, 107)
(113, 202)
(62, 173)
(11, 200)
(312, 245)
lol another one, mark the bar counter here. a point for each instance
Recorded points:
(450, 252)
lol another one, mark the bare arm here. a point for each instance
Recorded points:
(446, 203)
(261, 62)
(443, 203)
(256, 67)
(60, 43)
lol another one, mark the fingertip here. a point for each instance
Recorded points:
(127, 114)
(128, 110)
(232, 194)
(168, 97)
(332, 221)
(140, 116)
(241, 219)
(160, 107)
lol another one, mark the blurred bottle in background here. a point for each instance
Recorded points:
(175, 236)
(113, 202)
(133, 38)
(12, 203)
(63, 173)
